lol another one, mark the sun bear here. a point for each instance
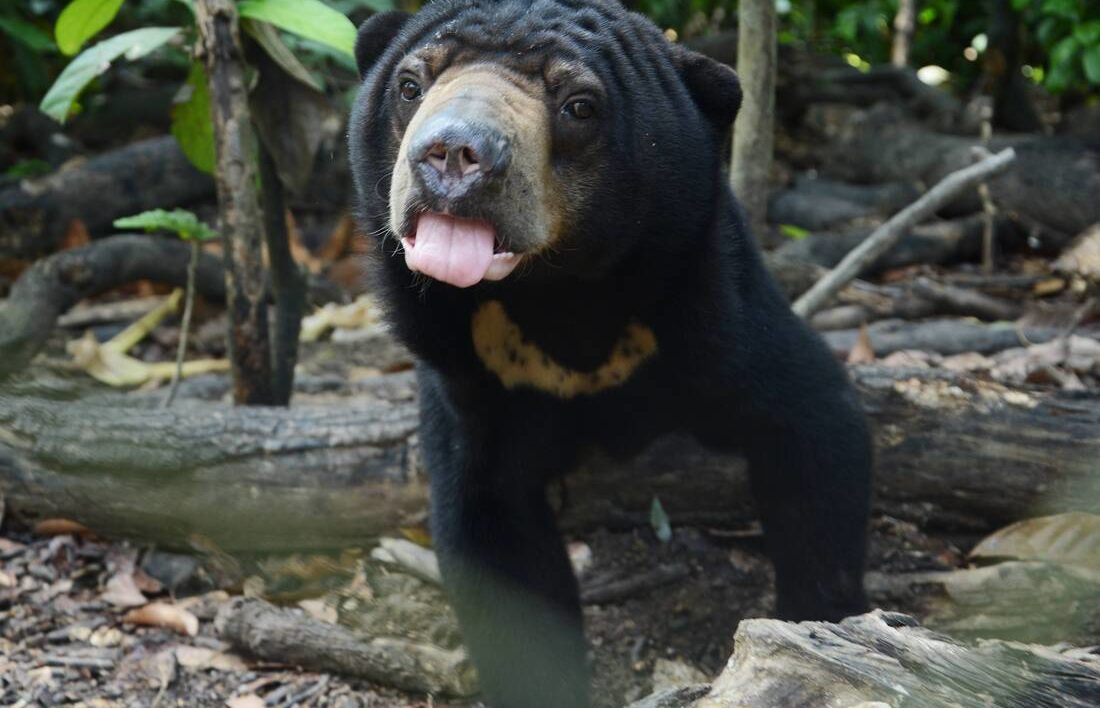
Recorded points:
(557, 244)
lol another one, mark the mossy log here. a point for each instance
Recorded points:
(953, 452)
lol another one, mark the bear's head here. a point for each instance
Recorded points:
(513, 140)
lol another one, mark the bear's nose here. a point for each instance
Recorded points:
(453, 158)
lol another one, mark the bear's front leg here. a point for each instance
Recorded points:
(791, 410)
(504, 565)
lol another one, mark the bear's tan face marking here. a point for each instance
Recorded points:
(530, 197)
(500, 345)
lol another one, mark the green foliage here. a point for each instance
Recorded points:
(309, 18)
(795, 233)
(28, 168)
(181, 222)
(92, 62)
(26, 34)
(81, 20)
(191, 124)
(268, 37)
(1068, 33)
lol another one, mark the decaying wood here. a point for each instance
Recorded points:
(285, 636)
(889, 659)
(937, 242)
(1052, 184)
(239, 208)
(942, 336)
(883, 239)
(58, 282)
(968, 303)
(952, 452)
(55, 284)
(150, 174)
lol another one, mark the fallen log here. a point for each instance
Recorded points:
(53, 285)
(938, 242)
(56, 283)
(953, 452)
(888, 659)
(1052, 184)
(285, 636)
(818, 204)
(942, 336)
(150, 174)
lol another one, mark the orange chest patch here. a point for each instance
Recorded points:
(516, 362)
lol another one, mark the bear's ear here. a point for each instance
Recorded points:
(375, 34)
(714, 86)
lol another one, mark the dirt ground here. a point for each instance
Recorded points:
(667, 615)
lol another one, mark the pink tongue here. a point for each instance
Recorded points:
(451, 250)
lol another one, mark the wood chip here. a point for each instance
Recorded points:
(162, 614)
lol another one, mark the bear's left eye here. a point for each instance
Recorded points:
(410, 90)
(580, 109)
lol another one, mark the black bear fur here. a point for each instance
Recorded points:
(660, 240)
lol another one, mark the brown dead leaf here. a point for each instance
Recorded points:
(76, 235)
(201, 659)
(862, 352)
(163, 614)
(121, 591)
(1048, 286)
(61, 527)
(1072, 538)
(1083, 256)
(250, 700)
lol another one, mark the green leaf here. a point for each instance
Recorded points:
(1091, 61)
(796, 233)
(658, 519)
(1061, 56)
(1062, 8)
(29, 168)
(192, 125)
(92, 62)
(181, 222)
(1020, 5)
(81, 20)
(268, 37)
(308, 18)
(27, 34)
(1088, 33)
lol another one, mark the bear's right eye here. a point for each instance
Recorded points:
(410, 90)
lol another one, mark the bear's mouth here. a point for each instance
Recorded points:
(459, 252)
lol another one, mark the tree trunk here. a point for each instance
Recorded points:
(239, 205)
(754, 131)
(952, 452)
(905, 25)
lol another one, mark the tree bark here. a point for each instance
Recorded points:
(754, 130)
(239, 205)
(890, 659)
(284, 636)
(953, 452)
(905, 25)
(150, 174)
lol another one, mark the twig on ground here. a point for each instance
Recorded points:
(888, 234)
(960, 301)
(185, 324)
(623, 589)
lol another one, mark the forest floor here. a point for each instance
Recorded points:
(65, 640)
